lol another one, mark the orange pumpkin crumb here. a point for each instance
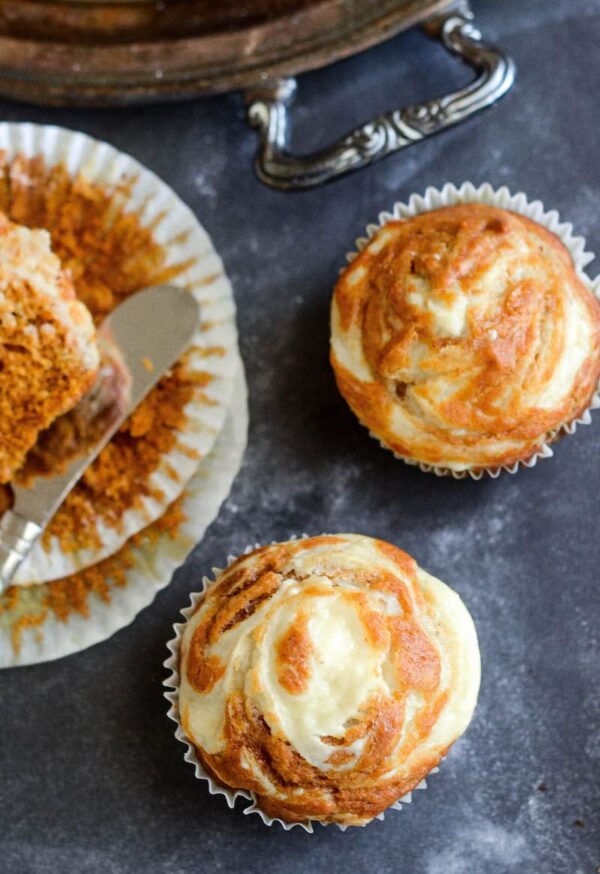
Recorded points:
(108, 254)
(27, 607)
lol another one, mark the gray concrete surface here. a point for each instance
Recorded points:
(91, 778)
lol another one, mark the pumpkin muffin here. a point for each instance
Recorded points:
(48, 352)
(464, 339)
(80, 428)
(326, 676)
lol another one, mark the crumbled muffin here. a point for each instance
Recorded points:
(48, 351)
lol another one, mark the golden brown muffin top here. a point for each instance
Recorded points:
(48, 351)
(462, 337)
(328, 676)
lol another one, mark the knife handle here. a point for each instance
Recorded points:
(17, 536)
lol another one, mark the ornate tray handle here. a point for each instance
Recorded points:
(269, 112)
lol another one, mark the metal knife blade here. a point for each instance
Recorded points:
(151, 329)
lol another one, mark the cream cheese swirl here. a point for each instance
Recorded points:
(327, 675)
(463, 337)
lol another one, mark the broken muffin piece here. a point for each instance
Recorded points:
(48, 350)
(81, 428)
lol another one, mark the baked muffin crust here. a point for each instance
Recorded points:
(327, 675)
(463, 338)
(48, 352)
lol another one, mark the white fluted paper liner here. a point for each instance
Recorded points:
(172, 695)
(450, 195)
(154, 563)
(184, 239)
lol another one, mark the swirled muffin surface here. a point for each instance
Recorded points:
(48, 351)
(463, 337)
(328, 676)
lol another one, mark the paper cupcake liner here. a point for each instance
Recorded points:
(154, 563)
(172, 695)
(450, 195)
(175, 227)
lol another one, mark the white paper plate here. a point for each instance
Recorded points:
(178, 229)
(154, 562)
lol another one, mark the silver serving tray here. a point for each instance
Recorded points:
(111, 52)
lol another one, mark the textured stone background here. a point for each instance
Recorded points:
(92, 779)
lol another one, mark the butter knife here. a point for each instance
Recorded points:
(150, 330)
